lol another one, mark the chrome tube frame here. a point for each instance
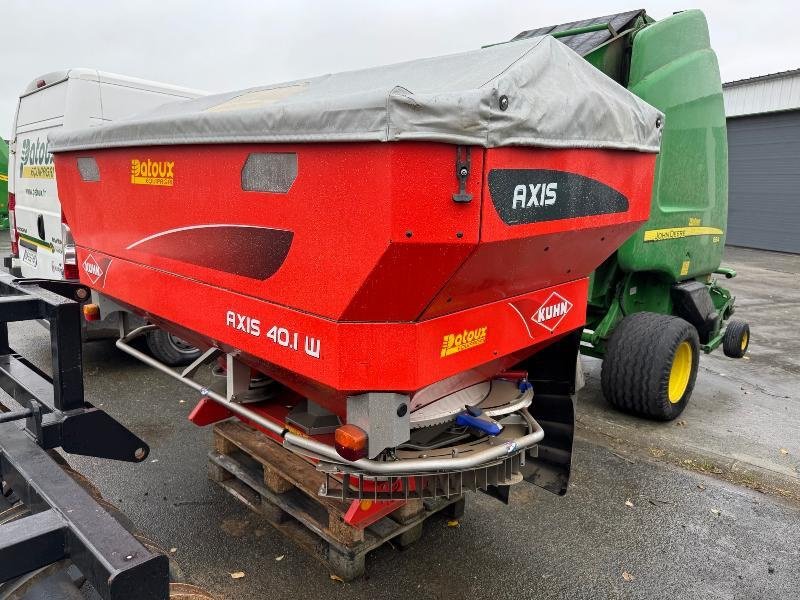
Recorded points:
(328, 453)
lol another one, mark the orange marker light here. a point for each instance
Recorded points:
(91, 312)
(351, 442)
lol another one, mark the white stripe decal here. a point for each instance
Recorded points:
(188, 227)
(524, 320)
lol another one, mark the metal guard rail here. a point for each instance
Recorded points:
(324, 451)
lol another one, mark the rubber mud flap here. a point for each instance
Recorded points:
(552, 374)
(550, 469)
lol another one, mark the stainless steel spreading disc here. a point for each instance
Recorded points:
(499, 397)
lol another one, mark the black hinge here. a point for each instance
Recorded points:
(463, 158)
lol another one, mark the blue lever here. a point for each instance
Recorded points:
(474, 417)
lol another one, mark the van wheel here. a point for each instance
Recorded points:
(736, 339)
(170, 349)
(650, 365)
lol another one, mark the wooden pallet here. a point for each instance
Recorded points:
(284, 488)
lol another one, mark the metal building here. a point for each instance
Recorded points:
(763, 115)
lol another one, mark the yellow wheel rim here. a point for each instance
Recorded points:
(745, 339)
(680, 372)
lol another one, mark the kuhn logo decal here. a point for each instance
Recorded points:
(96, 270)
(552, 311)
(522, 196)
(456, 342)
(547, 314)
(152, 172)
(92, 269)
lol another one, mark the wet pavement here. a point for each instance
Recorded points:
(744, 415)
(639, 521)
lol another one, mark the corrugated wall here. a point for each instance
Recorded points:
(769, 93)
(764, 168)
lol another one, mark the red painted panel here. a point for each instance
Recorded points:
(352, 357)
(512, 259)
(365, 275)
(349, 213)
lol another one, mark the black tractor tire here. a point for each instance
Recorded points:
(169, 349)
(736, 339)
(650, 365)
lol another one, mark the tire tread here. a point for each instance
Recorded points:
(732, 338)
(635, 370)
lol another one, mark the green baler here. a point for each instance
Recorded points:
(3, 184)
(656, 302)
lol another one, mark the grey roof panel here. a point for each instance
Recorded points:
(584, 43)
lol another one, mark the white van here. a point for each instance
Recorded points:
(41, 244)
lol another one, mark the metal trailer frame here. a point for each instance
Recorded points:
(65, 521)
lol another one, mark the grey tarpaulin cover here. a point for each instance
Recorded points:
(555, 99)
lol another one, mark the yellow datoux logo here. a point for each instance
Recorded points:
(456, 342)
(152, 172)
(38, 171)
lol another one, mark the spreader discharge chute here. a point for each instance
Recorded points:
(389, 265)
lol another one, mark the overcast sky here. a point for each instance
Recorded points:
(231, 44)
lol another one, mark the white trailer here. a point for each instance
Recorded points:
(41, 243)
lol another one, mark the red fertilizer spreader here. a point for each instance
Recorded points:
(388, 267)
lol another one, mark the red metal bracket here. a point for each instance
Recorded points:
(208, 412)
